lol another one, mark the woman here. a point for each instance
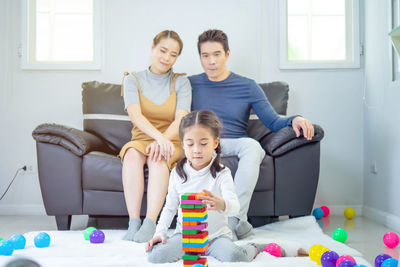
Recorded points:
(156, 99)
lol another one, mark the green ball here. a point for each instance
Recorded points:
(1, 238)
(339, 235)
(88, 232)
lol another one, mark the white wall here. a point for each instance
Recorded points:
(331, 98)
(381, 120)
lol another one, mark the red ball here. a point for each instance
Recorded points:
(326, 210)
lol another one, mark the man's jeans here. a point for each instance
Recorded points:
(250, 154)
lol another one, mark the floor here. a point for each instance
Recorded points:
(363, 234)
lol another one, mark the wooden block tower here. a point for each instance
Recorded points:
(194, 236)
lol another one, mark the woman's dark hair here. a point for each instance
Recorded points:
(204, 118)
(168, 34)
(213, 36)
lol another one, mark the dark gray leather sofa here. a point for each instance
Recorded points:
(79, 171)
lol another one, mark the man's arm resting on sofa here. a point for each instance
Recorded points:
(77, 141)
(285, 140)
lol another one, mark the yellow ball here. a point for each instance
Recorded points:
(349, 213)
(315, 252)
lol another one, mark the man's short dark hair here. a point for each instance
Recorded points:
(213, 36)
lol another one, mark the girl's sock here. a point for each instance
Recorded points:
(146, 231)
(134, 225)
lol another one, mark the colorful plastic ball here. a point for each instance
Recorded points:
(326, 211)
(318, 213)
(390, 263)
(380, 259)
(345, 258)
(391, 239)
(1, 238)
(88, 231)
(42, 240)
(6, 249)
(97, 236)
(329, 258)
(347, 263)
(273, 249)
(312, 253)
(339, 235)
(319, 254)
(349, 213)
(18, 241)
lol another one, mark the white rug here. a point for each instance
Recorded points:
(68, 248)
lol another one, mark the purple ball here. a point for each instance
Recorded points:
(329, 258)
(347, 263)
(97, 236)
(381, 258)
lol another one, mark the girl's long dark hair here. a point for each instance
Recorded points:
(204, 118)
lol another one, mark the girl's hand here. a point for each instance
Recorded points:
(215, 202)
(155, 240)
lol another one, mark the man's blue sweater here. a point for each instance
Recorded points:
(232, 99)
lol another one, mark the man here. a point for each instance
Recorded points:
(231, 97)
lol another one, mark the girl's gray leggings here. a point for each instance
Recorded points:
(222, 248)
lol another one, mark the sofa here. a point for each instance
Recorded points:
(80, 173)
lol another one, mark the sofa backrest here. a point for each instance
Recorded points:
(104, 114)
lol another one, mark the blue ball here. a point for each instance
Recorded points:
(42, 240)
(347, 263)
(18, 241)
(6, 249)
(318, 213)
(381, 258)
(390, 263)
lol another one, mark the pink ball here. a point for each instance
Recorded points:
(326, 210)
(391, 239)
(344, 258)
(273, 249)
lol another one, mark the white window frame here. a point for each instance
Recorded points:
(96, 64)
(353, 47)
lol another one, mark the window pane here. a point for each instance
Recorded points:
(328, 38)
(73, 38)
(74, 6)
(42, 37)
(297, 38)
(298, 7)
(328, 7)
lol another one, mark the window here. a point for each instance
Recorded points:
(319, 34)
(61, 34)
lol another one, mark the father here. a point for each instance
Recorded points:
(231, 97)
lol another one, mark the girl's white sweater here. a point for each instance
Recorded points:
(222, 185)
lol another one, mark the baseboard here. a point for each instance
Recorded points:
(387, 219)
(339, 209)
(26, 209)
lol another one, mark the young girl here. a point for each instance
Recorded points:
(200, 170)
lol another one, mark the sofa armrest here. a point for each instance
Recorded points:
(77, 141)
(285, 140)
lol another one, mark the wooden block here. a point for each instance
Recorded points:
(200, 194)
(190, 232)
(203, 249)
(195, 210)
(190, 257)
(187, 206)
(199, 235)
(192, 262)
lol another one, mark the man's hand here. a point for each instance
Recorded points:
(155, 240)
(215, 202)
(304, 124)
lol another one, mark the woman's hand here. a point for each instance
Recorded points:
(160, 148)
(155, 240)
(215, 202)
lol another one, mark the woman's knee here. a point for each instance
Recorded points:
(133, 156)
(252, 147)
(157, 165)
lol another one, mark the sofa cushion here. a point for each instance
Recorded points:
(101, 171)
(104, 114)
